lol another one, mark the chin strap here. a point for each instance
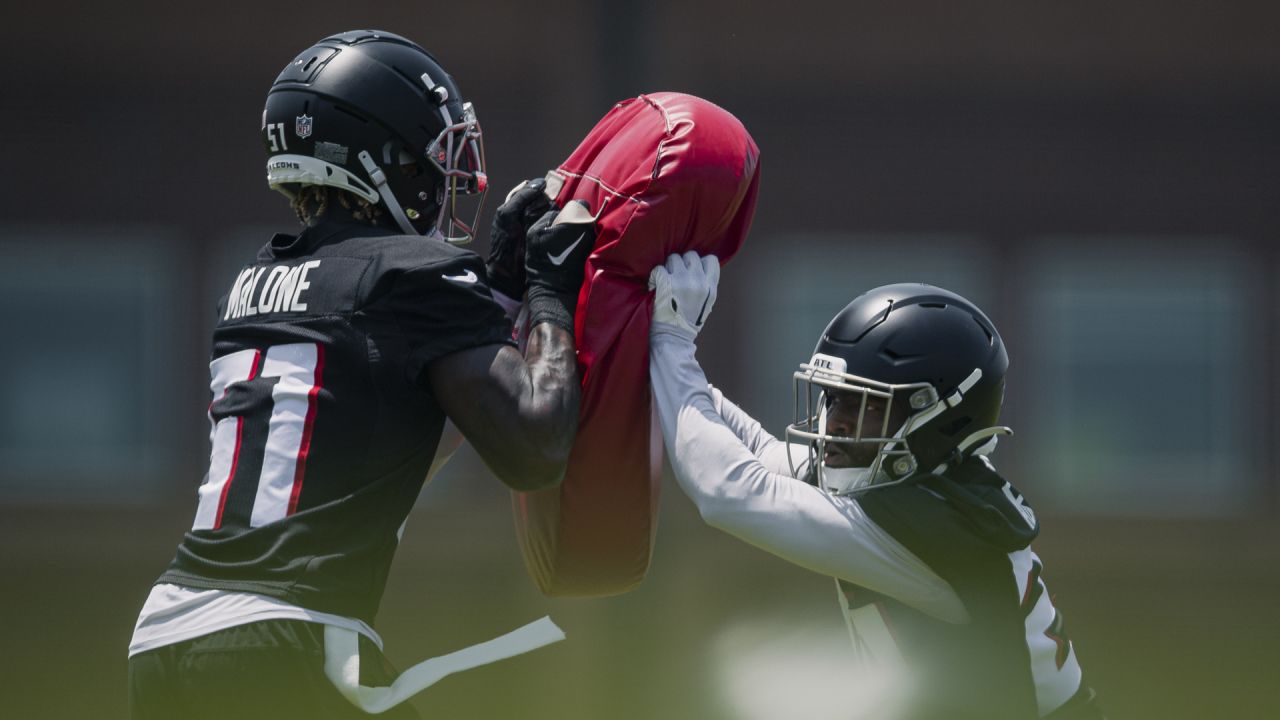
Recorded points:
(379, 179)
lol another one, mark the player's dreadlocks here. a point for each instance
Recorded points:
(311, 201)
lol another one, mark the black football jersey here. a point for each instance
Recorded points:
(1013, 660)
(323, 426)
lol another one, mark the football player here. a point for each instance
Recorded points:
(343, 359)
(884, 482)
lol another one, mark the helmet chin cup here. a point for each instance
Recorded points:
(842, 481)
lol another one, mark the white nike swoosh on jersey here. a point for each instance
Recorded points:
(559, 259)
(467, 277)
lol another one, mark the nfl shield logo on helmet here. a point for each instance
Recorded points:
(302, 126)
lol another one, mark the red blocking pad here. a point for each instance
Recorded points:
(664, 173)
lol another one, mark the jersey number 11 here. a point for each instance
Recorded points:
(286, 416)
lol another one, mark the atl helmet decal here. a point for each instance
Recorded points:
(302, 126)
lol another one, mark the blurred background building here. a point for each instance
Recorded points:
(1101, 177)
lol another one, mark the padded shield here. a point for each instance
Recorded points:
(665, 173)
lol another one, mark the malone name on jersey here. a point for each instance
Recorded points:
(281, 290)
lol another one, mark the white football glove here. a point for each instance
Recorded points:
(685, 290)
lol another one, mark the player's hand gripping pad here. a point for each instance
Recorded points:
(665, 173)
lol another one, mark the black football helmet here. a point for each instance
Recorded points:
(926, 352)
(374, 114)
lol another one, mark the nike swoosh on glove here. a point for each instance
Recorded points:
(557, 247)
(556, 252)
(684, 292)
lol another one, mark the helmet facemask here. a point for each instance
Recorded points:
(877, 441)
(886, 451)
(457, 154)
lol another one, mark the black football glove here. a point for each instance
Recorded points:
(524, 205)
(556, 251)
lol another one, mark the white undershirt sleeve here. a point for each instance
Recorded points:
(735, 492)
(771, 451)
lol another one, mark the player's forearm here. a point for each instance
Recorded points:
(732, 489)
(557, 251)
(702, 448)
(770, 450)
(761, 444)
(531, 423)
(550, 409)
(519, 413)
